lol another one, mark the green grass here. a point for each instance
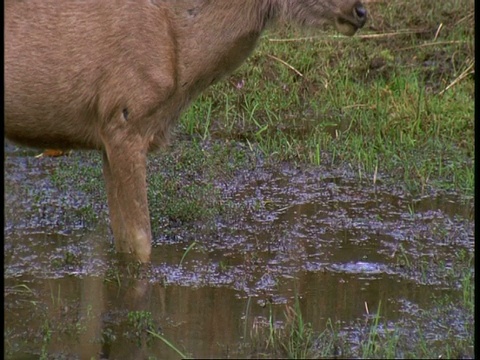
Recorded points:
(368, 103)
(169, 344)
(183, 184)
(294, 339)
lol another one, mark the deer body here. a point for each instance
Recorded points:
(116, 75)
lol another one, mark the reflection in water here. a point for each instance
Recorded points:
(331, 241)
(92, 316)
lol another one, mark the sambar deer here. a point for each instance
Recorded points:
(116, 75)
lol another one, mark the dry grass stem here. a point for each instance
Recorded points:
(396, 33)
(286, 64)
(438, 31)
(366, 36)
(468, 17)
(431, 44)
(469, 70)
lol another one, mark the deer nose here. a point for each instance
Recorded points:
(360, 13)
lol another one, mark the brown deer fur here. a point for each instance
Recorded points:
(115, 75)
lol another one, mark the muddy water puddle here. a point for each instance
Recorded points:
(343, 247)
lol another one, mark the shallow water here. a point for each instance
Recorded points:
(341, 245)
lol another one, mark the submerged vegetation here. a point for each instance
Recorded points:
(427, 333)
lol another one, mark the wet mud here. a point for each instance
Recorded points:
(343, 246)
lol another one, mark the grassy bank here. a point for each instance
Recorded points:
(395, 102)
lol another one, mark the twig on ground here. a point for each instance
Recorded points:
(431, 44)
(462, 76)
(438, 32)
(286, 64)
(366, 36)
(467, 17)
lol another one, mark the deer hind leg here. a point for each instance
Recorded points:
(124, 169)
